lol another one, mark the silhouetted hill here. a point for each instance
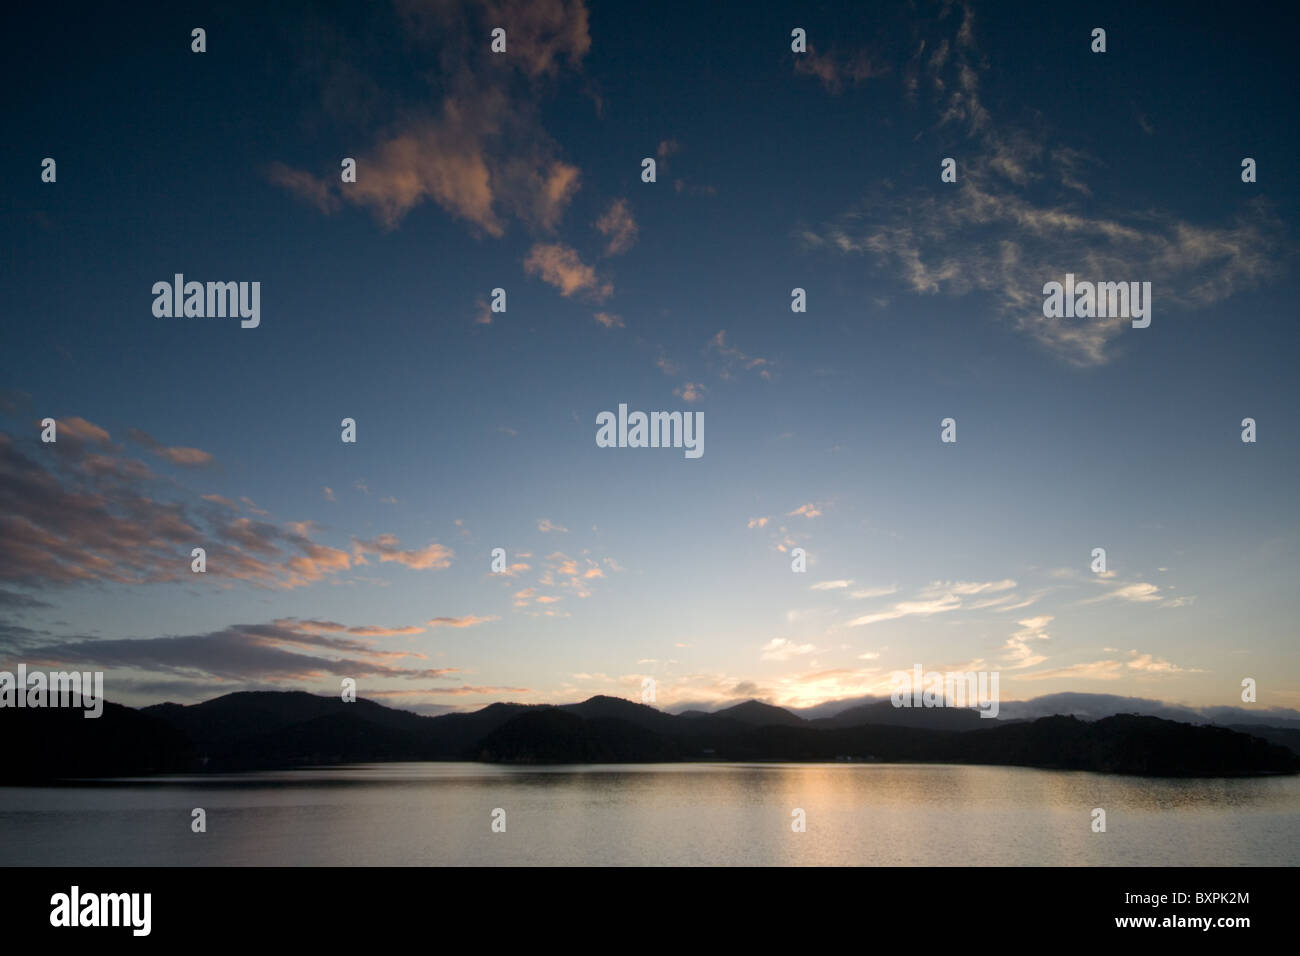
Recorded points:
(265, 730)
(245, 714)
(755, 713)
(455, 736)
(884, 712)
(1130, 744)
(554, 735)
(1287, 737)
(615, 708)
(1126, 744)
(49, 743)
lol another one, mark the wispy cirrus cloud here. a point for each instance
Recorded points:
(1139, 592)
(780, 649)
(1019, 216)
(884, 591)
(733, 359)
(1019, 652)
(838, 71)
(919, 608)
(470, 620)
(1112, 669)
(939, 597)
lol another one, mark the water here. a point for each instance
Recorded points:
(421, 814)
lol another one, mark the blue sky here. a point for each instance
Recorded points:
(775, 170)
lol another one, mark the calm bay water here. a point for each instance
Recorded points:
(421, 814)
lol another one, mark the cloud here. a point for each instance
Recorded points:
(1150, 664)
(609, 320)
(443, 160)
(732, 358)
(1005, 602)
(576, 575)
(83, 511)
(541, 34)
(470, 620)
(1140, 592)
(516, 569)
(938, 597)
(387, 548)
(757, 522)
(480, 153)
(779, 649)
(547, 525)
(1112, 669)
(376, 631)
(836, 72)
(689, 391)
(80, 430)
(1019, 654)
(874, 592)
(14, 601)
(618, 226)
(967, 588)
(830, 585)
(560, 266)
(667, 366)
(241, 652)
(1020, 216)
(576, 572)
(922, 608)
(310, 189)
(808, 511)
(361, 630)
(1092, 670)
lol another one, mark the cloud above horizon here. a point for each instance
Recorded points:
(243, 652)
(481, 154)
(81, 510)
(1021, 214)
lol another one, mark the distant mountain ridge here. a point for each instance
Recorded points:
(262, 730)
(1095, 706)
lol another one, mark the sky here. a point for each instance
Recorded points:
(775, 170)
